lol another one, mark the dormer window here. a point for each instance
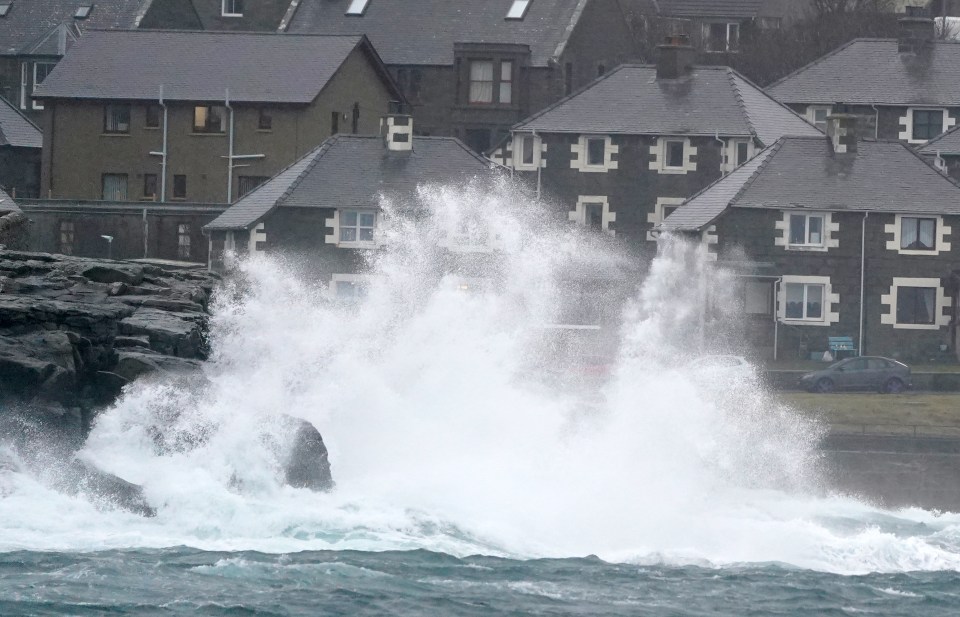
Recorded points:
(518, 9)
(83, 11)
(5, 8)
(357, 7)
(231, 8)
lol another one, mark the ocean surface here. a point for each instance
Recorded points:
(478, 473)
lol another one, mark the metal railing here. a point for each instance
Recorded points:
(896, 430)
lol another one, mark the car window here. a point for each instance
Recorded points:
(855, 365)
(877, 363)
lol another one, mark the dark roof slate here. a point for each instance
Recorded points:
(198, 66)
(424, 31)
(738, 9)
(945, 143)
(34, 26)
(873, 71)
(802, 172)
(16, 130)
(353, 170)
(631, 100)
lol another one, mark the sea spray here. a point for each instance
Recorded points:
(451, 426)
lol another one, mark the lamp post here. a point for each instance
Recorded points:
(109, 240)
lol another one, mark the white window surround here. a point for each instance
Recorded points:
(811, 115)
(890, 300)
(711, 240)
(334, 223)
(830, 230)
(657, 216)
(659, 152)
(518, 8)
(228, 8)
(942, 237)
(579, 151)
(357, 7)
(729, 162)
(579, 214)
(257, 234)
(828, 317)
(37, 104)
(23, 85)
(906, 123)
(517, 152)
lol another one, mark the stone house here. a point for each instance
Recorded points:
(325, 207)
(220, 15)
(835, 236)
(943, 152)
(629, 148)
(906, 88)
(473, 69)
(134, 116)
(20, 143)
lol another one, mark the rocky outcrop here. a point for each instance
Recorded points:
(74, 331)
(106, 489)
(307, 465)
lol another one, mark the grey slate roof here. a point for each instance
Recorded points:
(872, 71)
(16, 130)
(198, 66)
(739, 9)
(354, 170)
(802, 172)
(630, 100)
(424, 31)
(945, 143)
(7, 204)
(31, 25)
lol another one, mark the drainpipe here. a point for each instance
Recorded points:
(876, 122)
(163, 153)
(230, 153)
(146, 235)
(723, 153)
(863, 274)
(539, 164)
(776, 316)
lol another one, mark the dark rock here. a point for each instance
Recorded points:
(115, 272)
(118, 289)
(176, 334)
(307, 465)
(108, 488)
(133, 364)
(108, 385)
(132, 341)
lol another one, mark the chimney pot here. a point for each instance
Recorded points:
(676, 57)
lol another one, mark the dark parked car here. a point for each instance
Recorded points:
(863, 373)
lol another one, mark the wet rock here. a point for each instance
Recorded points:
(134, 364)
(108, 488)
(115, 272)
(176, 334)
(307, 464)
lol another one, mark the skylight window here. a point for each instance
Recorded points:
(518, 9)
(357, 7)
(5, 8)
(83, 11)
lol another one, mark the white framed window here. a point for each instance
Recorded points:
(83, 11)
(818, 114)
(736, 153)
(594, 153)
(673, 155)
(209, 119)
(807, 300)
(183, 241)
(116, 118)
(518, 8)
(721, 37)
(481, 81)
(353, 228)
(357, 7)
(231, 8)
(921, 124)
(114, 187)
(918, 235)
(506, 82)
(807, 231)
(527, 151)
(593, 212)
(915, 304)
(40, 72)
(664, 207)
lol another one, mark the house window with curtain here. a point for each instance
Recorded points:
(248, 183)
(209, 119)
(481, 81)
(150, 186)
(357, 227)
(116, 119)
(804, 301)
(806, 230)
(916, 305)
(721, 37)
(114, 187)
(231, 8)
(918, 234)
(506, 82)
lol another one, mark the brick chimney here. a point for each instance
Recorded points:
(676, 57)
(397, 130)
(915, 30)
(842, 130)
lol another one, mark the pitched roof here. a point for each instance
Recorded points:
(16, 130)
(873, 71)
(7, 204)
(742, 9)
(631, 100)
(802, 172)
(200, 66)
(945, 143)
(37, 26)
(354, 170)
(425, 31)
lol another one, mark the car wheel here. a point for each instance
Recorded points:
(893, 386)
(824, 385)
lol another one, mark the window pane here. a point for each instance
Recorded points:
(916, 305)
(517, 9)
(596, 151)
(814, 301)
(926, 232)
(481, 82)
(815, 230)
(794, 297)
(115, 187)
(674, 154)
(349, 218)
(526, 150)
(594, 215)
(506, 92)
(506, 70)
(798, 228)
(348, 234)
(366, 234)
(366, 219)
(357, 7)
(908, 232)
(742, 149)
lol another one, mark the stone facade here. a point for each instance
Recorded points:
(883, 121)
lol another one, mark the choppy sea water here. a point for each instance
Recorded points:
(183, 581)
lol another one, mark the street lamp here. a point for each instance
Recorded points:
(109, 240)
